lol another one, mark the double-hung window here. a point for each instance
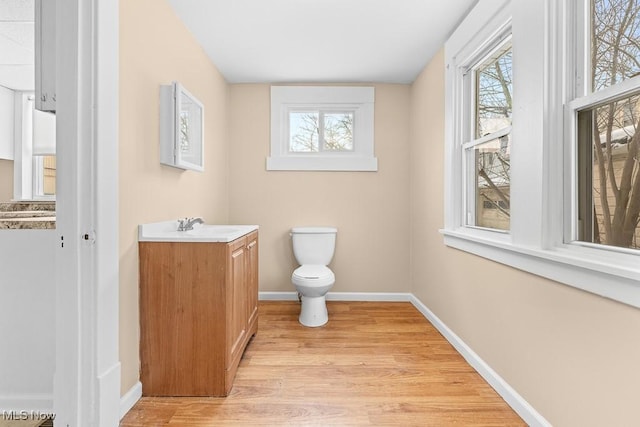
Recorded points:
(603, 118)
(479, 107)
(488, 91)
(542, 152)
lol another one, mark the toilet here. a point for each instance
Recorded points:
(313, 248)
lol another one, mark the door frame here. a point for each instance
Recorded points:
(87, 373)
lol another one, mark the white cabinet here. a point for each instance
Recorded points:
(45, 55)
(181, 128)
(6, 123)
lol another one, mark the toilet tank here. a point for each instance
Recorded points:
(313, 245)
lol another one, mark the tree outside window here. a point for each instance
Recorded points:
(608, 141)
(333, 129)
(490, 149)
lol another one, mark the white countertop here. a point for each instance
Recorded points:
(167, 231)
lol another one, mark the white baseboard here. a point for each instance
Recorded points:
(368, 296)
(27, 402)
(130, 398)
(513, 399)
(278, 296)
(339, 296)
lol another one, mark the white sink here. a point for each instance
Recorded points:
(167, 231)
(205, 230)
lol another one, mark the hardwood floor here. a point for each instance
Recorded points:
(372, 364)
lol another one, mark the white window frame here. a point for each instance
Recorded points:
(543, 152)
(484, 29)
(359, 100)
(468, 118)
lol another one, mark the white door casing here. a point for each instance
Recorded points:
(87, 377)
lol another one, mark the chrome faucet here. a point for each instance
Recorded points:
(186, 224)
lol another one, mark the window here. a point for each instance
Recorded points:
(322, 128)
(606, 107)
(333, 128)
(480, 112)
(489, 88)
(563, 200)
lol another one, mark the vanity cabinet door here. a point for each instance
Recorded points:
(236, 301)
(242, 298)
(182, 319)
(252, 280)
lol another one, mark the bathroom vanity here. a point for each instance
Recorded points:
(198, 307)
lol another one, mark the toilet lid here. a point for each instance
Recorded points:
(313, 272)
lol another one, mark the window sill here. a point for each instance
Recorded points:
(323, 163)
(589, 269)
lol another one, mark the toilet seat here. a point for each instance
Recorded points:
(313, 275)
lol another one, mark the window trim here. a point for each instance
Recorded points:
(484, 30)
(356, 99)
(542, 190)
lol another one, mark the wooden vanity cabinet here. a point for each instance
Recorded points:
(198, 311)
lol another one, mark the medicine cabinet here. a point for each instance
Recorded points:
(181, 128)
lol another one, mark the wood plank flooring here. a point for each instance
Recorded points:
(373, 364)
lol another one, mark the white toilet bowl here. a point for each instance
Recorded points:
(313, 248)
(312, 283)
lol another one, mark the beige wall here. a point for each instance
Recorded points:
(155, 48)
(6, 180)
(370, 209)
(571, 354)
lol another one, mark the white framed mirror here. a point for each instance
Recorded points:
(181, 128)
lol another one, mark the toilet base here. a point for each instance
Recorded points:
(313, 311)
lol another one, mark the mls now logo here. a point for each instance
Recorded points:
(27, 415)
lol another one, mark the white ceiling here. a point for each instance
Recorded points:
(17, 44)
(281, 40)
(321, 40)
